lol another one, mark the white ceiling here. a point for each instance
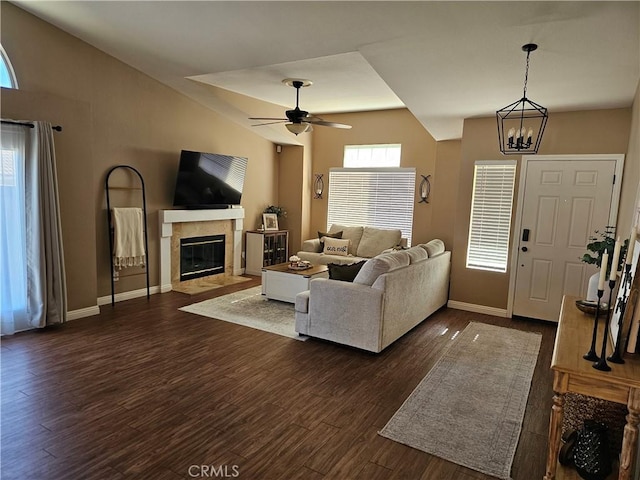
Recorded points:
(444, 61)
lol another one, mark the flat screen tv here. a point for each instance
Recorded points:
(209, 180)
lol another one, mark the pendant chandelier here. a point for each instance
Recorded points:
(521, 124)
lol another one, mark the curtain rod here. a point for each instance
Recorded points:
(57, 128)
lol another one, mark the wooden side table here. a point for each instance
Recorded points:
(571, 373)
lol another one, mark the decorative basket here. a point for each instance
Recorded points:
(578, 408)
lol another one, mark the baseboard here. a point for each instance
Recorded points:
(471, 307)
(83, 312)
(121, 297)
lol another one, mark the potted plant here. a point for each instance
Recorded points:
(279, 211)
(600, 243)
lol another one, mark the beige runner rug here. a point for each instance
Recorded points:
(470, 407)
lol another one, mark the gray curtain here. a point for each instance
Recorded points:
(47, 290)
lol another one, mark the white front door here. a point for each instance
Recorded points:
(564, 202)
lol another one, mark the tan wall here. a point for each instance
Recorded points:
(113, 114)
(586, 132)
(444, 190)
(389, 126)
(294, 192)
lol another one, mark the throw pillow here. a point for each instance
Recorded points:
(336, 246)
(345, 273)
(321, 236)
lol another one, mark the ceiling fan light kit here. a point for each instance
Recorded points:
(299, 121)
(522, 123)
(297, 128)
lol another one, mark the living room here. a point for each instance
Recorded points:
(114, 114)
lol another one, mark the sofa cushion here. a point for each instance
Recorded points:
(374, 267)
(352, 233)
(375, 240)
(435, 247)
(417, 254)
(321, 236)
(312, 245)
(336, 246)
(345, 273)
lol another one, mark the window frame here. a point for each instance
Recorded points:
(7, 63)
(477, 257)
(372, 147)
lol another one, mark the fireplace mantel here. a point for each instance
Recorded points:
(168, 217)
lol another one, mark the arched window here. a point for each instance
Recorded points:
(7, 75)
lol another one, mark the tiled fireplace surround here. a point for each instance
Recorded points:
(177, 224)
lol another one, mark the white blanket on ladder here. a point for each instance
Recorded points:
(128, 237)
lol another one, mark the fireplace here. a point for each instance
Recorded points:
(201, 256)
(176, 225)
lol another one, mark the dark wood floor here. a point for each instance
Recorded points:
(144, 391)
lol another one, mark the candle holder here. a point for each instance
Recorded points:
(591, 355)
(602, 363)
(616, 356)
(520, 142)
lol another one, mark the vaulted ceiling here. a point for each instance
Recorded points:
(444, 61)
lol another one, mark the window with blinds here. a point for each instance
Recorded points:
(491, 205)
(374, 197)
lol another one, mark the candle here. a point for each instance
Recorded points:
(632, 244)
(512, 132)
(529, 135)
(603, 270)
(616, 258)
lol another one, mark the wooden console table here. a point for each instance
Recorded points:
(571, 373)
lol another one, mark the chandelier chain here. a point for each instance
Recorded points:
(526, 76)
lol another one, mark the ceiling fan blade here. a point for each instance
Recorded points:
(318, 121)
(268, 118)
(269, 123)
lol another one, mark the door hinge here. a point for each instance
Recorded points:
(614, 178)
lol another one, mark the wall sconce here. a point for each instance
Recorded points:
(318, 186)
(424, 189)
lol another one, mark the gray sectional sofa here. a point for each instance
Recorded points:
(364, 243)
(392, 293)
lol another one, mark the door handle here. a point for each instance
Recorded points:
(524, 249)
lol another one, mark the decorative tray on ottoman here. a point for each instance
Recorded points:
(302, 265)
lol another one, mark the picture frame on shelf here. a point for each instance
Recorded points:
(270, 221)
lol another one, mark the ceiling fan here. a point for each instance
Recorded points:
(300, 121)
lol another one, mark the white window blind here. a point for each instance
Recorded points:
(491, 205)
(374, 197)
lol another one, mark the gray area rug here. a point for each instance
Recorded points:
(470, 407)
(249, 308)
